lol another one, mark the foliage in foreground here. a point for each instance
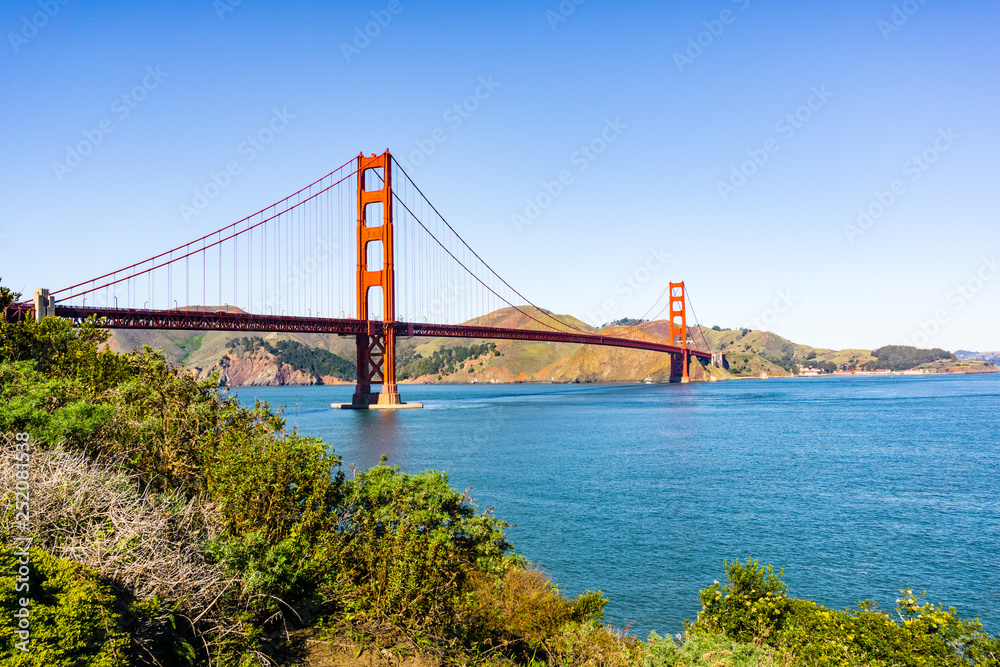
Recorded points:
(72, 619)
(712, 649)
(157, 467)
(753, 606)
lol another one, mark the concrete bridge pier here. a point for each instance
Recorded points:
(679, 362)
(45, 305)
(376, 365)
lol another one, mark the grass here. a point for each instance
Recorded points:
(190, 346)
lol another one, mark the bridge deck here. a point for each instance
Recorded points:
(197, 320)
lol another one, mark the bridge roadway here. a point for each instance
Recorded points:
(198, 320)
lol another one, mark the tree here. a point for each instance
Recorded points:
(7, 296)
(905, 357)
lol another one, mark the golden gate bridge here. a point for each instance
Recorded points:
(287, 268)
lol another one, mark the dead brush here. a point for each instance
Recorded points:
(99, 514)
(527, 618)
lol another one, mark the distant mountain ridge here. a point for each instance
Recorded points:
(278, 359)
(966, 355)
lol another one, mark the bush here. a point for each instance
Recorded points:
(167, 422)
(752, 604)
(149, 546)
(590, 644)
(72, 616)
(404, 545)
(710, 649)
(272, 486)
(52, 409)
(383, 500)
(926, 635)
(99, 514)
(523, 610)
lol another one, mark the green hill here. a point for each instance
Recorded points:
(308, 358)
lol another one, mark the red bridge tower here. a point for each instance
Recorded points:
(377, 347)
(679, 333)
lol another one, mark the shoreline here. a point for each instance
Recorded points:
(894, 374)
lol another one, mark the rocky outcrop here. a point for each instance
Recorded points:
(260, 369)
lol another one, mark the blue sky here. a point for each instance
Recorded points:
(739, 138)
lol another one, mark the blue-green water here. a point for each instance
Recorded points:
(858, 487)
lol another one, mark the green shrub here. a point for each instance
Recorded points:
(272, 485)
(72, 616)
(64, 350)
(925, 635)
(709, 649)
(404, 545)
(524, 611)
(167, 422)
(590, 644)
(523, 608)
(590, 606)
(752, 604)
(383, 500)
(52, 409)
(403, 585)
(264, 567)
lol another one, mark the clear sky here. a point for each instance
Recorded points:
(743, 139)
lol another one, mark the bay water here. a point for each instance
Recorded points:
(857, 486)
